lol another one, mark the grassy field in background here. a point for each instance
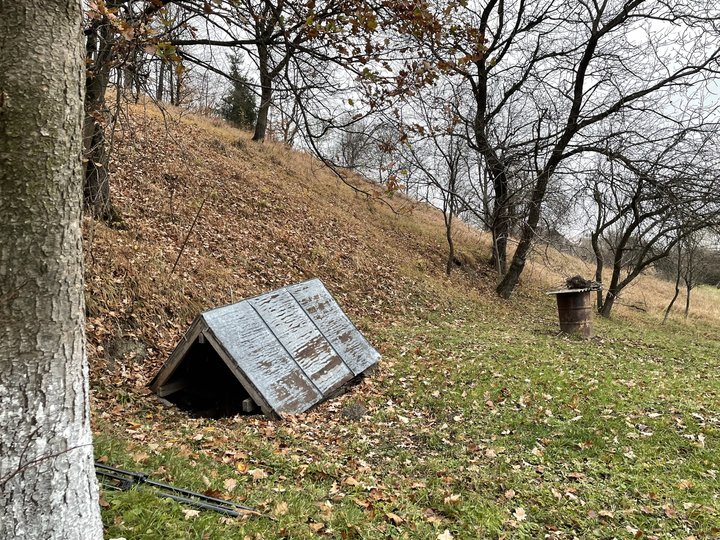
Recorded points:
(481, 422)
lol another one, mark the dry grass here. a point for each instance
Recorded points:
(272, 216)
(649, 293)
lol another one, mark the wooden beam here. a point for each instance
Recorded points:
(172, 387)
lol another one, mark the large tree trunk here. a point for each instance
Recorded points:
(47, 480)
(527, 237)
(613, 289)
(500, 225)
(599, 259)
(265, 95)
(97, 176)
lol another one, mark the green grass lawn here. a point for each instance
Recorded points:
(481, 422)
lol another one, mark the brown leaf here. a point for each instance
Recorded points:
(281, 508)
(685, 484)
(258, 474)
(669, 511)
(316, 527)
(230, 484)
(140, 457)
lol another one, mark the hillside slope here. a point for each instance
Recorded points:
(270, 217)
(481, 421)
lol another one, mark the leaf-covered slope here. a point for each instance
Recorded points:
(245, 218)
(270, 217)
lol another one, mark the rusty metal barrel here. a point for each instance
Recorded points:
(574, 311)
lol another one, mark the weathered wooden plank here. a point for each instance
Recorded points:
(178, 355)
(302, 339)
(172, 387)
(262, 358)
(337, 328)
(290, 348)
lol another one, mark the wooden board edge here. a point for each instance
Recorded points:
(176, 357)
(254, 393)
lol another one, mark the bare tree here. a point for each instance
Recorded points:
(549, 79)
(678, 276)
(115, 31)
(48, 487)
(648, 205)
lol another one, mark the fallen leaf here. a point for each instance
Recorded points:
(432, 517)
(230, 484)
(361, 502)
(685, 484)
(669, 511)
(316, 527)
(452, 499)
(140, 457)
(281, 508)
(189, 513)
(520, 514)
(258, 474)
(394, 518)
(445, 535)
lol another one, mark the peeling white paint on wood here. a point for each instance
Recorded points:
(291, 348)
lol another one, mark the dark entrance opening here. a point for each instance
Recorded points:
(204, 386)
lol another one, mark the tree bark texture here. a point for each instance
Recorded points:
(678, 275)
(97, 176)
(48, 487)
(265, 95)
(512, 276)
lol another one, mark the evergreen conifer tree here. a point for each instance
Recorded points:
(238, 105)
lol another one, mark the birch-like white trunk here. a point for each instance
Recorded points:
(48, 488)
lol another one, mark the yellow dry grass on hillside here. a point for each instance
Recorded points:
(245, 218)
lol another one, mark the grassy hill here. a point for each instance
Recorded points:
(481, 422)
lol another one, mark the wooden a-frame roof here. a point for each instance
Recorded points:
(290, 349)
